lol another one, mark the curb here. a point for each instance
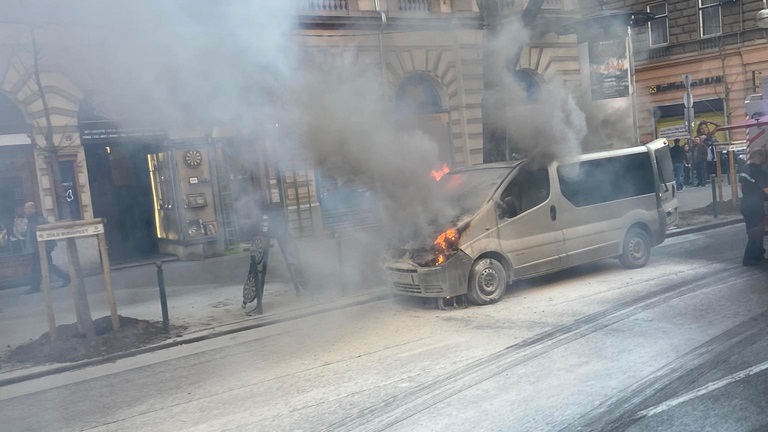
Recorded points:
(705, 227)
(374, 297)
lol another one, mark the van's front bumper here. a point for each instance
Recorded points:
(447, 280)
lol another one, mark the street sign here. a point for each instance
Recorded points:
(688, 100)
(689, 118)
(62, 233)
(687, 81)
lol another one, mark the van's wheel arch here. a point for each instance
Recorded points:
(488, 280)
(636, 249)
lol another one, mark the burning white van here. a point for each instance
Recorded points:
(521, 219)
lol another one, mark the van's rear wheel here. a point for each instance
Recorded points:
(637, 249)
(487, 282)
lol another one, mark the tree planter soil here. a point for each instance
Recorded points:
(703, 215)
(72, 346)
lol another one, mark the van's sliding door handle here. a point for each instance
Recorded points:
(553, 212)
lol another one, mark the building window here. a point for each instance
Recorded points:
(710, 17)
(658, 29)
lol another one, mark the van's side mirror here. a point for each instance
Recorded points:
(507, 208)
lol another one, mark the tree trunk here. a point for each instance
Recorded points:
(80, 297)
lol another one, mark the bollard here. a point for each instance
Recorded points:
(163, 299)
(714, 195)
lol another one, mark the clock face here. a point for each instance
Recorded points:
(193, 158)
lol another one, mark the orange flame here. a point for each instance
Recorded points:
(438, 174)
(450, 236)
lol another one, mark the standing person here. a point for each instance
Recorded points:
(35, 219)
(711, 155)
(754, 189)
(19, 231)
(699, 162)
(688, 180)
(678, 163)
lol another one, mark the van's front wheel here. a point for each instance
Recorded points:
(637, 249)
(487, 282)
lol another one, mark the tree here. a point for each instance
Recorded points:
(50, 151)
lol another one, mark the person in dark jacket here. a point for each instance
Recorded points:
(678, 162)
(754, 189)
(35, 219)
(700, 162)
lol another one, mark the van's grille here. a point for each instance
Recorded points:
(407, 289)
(415, 289)
(398, 270)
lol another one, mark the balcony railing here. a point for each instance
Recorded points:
(414, 5)
(326, 5)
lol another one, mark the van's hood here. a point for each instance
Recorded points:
(418, 246)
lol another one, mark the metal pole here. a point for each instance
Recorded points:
(381, 45)
(714, 195)
(340, 255)
(633, 93)
(163, 299)
(732, 177)
(719, 171)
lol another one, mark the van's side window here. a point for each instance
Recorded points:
(528, 189)
(603, 180)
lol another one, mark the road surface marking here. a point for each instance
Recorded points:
(702, 390)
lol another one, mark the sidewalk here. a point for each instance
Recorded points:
(201, 294)
(692, 198)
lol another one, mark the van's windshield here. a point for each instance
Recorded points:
(469, 190)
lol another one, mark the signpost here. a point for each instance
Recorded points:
(688, 104)
(74, 229)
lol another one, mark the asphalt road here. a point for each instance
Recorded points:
(679, 345)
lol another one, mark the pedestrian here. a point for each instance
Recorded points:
(711, 155)
(699, 162)
(754, 189)
(35, 219)
(678, 163)
(19, 231)
(688, 159)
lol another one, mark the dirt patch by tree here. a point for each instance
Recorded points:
(704, 214)
(72, 346)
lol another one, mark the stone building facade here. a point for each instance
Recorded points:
(717, 43)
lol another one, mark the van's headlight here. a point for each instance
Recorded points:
(446, 245)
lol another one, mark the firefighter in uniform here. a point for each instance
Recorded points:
(754, 189)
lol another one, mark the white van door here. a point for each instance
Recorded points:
(530, 235)
(666, 180)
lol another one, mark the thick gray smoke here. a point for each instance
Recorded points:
(193, 65)
(561, 121)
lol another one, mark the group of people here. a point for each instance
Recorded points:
(23, 239)
(693, 161)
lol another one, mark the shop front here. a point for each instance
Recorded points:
(18, 185)
(720, 84)
(156, 193)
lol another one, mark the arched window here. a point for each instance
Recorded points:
(12, 120)
(418, 93)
